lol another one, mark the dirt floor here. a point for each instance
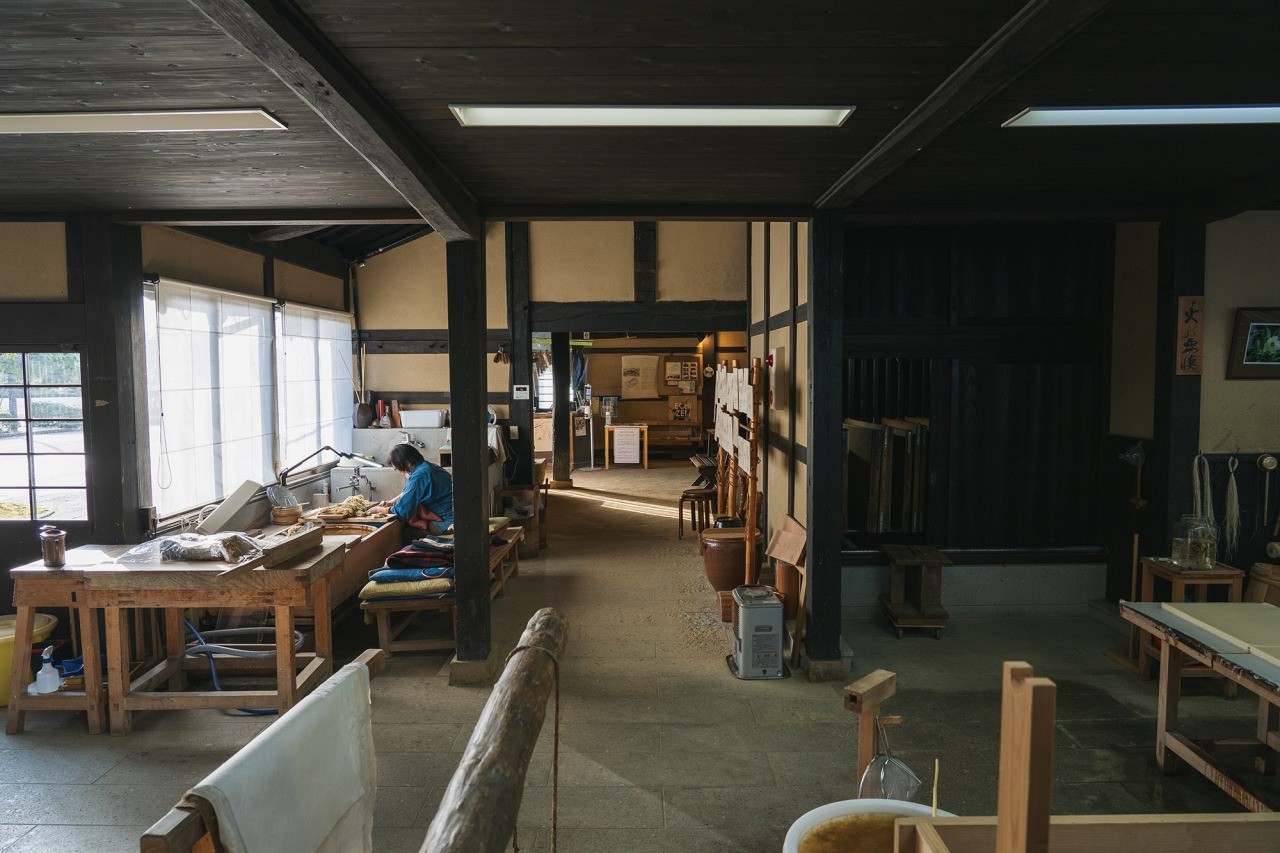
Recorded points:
(660, 748)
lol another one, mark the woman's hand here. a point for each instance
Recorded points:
(379, 509)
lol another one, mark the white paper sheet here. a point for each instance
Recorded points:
(639, 376)
(626, 445)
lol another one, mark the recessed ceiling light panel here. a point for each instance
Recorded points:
(1142, 116)
(511, 115)
(150, 121)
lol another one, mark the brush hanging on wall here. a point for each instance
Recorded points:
(1231, 513)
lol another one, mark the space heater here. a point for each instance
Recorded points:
(757, 634)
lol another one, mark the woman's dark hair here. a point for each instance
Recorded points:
(404, 458)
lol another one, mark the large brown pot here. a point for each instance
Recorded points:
(724, 556)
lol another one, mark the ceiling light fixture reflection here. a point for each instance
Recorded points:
(1144, 116)
(148, 121)
(511, 115)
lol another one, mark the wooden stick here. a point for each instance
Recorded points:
(753, 477)
(1026, 761)
(479, 809)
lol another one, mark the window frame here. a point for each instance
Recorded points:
(30, 454)
(276, 413)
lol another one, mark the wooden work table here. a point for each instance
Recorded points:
(94, 580)
(1180, 640)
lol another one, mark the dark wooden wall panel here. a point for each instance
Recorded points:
(1023, 469)
(901, 274)
(1030, 271)
(1011, 321)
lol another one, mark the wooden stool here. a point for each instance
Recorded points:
(923, 586)
(54, 588)
(1198, 581)
(700, 508)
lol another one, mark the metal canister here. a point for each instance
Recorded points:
(53, 542)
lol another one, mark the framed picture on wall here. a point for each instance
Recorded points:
(1255, 344)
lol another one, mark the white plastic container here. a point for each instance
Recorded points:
(423, 418)
(831, 811)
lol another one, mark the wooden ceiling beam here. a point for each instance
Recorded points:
(282, 38)
(917, 214)
(1025, 39)
(648, 212)
(280, 233)
(319, 217)
(1251, 193)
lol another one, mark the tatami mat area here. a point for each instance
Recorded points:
(661, 749)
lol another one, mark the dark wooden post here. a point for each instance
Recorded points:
(1177, 398)
(468, 402)
(646, 261)
(561, 413)
(116, 418)
(826, 437)
(521, 347)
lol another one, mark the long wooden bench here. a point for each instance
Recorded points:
(503, 564)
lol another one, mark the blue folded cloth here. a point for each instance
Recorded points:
(391, 575)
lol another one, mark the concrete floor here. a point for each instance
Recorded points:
(661, 749)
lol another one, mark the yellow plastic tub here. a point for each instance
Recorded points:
(8, 627)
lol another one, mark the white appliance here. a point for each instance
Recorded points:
(757, 634)
(420, 418)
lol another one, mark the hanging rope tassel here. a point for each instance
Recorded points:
(1231, 514)
(1202, 490)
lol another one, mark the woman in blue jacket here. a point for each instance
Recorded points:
(427, 499)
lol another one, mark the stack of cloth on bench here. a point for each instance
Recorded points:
(422, 569)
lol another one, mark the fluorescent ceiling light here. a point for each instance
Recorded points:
(507, 115)
(151, 121)
(1118, 116)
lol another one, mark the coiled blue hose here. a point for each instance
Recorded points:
(210, 649)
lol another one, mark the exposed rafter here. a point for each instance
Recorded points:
(1025, 39)
(284, 40)
(279, 233)
(321, 218)
(1252, 193)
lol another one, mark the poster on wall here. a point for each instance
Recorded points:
(1190, 337)
(680, 407)
(626, 445)
(673, 372)
(639, 377)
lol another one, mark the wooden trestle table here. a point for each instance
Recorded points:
(1182, 639)
(93, 580)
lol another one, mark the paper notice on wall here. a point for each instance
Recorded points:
(673, 372)
(626, 445)
(731, 390)
(744, 390)
(639, 376)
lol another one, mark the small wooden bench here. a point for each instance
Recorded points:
(503, 564)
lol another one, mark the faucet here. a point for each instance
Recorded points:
(354, 483)
(407, 438)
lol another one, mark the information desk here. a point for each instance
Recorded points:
(93, 579)
(1182, 639)
(644, 439)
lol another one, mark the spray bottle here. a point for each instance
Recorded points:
(47, 679)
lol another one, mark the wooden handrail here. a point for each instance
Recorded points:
(479, 808)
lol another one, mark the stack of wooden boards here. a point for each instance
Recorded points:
(888, 467)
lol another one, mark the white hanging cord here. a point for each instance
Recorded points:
(1202, 490)
(1231, 514)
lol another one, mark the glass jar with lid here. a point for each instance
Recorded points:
(1195, 543)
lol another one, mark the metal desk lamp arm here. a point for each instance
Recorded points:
(284, 475)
